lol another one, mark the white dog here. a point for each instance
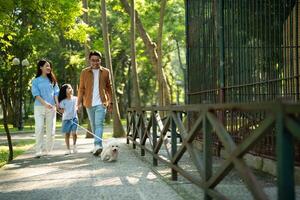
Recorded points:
(110, 152)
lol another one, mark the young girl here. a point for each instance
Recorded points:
(67, 104)
(45, 91)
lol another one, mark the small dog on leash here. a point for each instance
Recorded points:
(110, 152)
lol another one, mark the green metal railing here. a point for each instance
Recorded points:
(243, 51)
(146, 129)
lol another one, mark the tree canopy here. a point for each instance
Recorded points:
(55, 29)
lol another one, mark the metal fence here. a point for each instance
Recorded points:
(242, 52)
(147, 129)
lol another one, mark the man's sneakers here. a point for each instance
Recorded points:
(97, 150)
(38, 155)
(68, 152)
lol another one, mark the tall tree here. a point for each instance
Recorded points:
(183, 69)
(86, 53)
(136, 93)
(118, 130)
(164, 94)
(32, 30)
(151, 49)
(86, 21)
(4, 104)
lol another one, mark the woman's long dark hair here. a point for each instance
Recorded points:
(51, 76)
(63, 92)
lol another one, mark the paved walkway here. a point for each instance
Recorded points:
(81, 176)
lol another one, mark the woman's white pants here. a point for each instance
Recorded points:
(42, 115)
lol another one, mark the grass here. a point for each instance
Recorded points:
(12, 129)
(123, 122)
(107, 135)
(19, 148)
(29, 126)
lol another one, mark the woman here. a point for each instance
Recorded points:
(45, 91)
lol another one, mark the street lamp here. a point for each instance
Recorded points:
(24, 63)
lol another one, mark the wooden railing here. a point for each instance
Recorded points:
(145, 126)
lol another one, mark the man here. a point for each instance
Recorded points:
(95, 93)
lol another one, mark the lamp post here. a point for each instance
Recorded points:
(24, 63)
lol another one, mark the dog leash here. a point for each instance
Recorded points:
(82, 127)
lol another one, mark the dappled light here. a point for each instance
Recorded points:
(149, 99)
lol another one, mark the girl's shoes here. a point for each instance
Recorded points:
(68, 152)
(75, 149)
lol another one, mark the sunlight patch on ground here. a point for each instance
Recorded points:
(113, 181)
(102, 171)
(132, 180)
(151, 176)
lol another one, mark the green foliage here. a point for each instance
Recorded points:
(54, 29)
(34, 29)
(119, 28)
(19, 146)
(79, 32)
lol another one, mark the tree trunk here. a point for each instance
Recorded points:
(183, 71)
(151, 49)
(86, 21)
(136, 102)
(10, 113)
(12, 106)
(164, 92)
(86, 53)
(118, 130)
(4, 103)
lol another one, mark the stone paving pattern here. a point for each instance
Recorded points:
(84, 176)
(81, 176)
